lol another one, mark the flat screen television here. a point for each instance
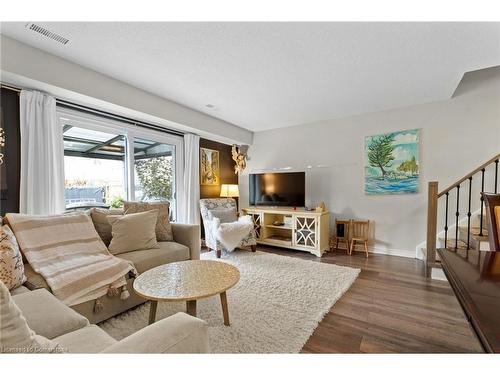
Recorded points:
(278, 189)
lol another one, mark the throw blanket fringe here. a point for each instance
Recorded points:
(125, 293)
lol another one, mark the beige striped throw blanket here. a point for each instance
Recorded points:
(67, 251)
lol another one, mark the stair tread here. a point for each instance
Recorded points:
(474, 231)
(451, 243)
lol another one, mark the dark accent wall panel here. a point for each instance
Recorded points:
(11, 168)
(227, 175)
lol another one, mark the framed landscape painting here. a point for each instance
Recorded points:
(392, 163)
(209, 167)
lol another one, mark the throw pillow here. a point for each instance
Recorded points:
(133, 232)
(100, 219)
(15, 334)
(225, 215)
(11, 261)
(163, 227)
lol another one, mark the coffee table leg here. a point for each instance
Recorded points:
(152, 311)
(191, 307)
(225, 312)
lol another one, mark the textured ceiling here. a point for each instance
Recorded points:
(267, 75)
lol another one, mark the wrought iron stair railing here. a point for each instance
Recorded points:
(463, 184)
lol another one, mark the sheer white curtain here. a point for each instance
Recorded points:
(42, 155)
(190, 209)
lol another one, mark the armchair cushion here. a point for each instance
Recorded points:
(225, 215)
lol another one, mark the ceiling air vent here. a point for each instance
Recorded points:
(49, 34)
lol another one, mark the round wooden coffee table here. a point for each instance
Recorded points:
(188, 281)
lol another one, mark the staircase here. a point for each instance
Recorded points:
(462, 249)
(459, 211)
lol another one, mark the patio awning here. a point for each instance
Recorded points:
(89, 143)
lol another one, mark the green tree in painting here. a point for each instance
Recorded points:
(409, 166)
(380, 152)
(155, 177)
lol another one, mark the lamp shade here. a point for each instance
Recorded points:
(229, 190)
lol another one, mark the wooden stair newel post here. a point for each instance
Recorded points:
(432, 208)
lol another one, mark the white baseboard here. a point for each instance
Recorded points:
(386, 251)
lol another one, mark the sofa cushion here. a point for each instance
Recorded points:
(133, 232)
(163, 228)
(15, 334)
(90, 339)
(19, 290)
(167, 252)
(48, 316)
(11, 261)
(100, 219)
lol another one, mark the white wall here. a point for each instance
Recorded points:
(457, 135)
(30, 67)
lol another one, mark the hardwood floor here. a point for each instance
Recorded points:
(391, 308)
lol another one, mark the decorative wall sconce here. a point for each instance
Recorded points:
(2, 144)
(240, 158)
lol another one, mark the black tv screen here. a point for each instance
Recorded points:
(278, 189)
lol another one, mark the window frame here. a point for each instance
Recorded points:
(131, 132)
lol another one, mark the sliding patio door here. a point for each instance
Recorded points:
(107, 162)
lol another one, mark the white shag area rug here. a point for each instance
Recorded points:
(274, 308)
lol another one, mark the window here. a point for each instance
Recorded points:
(94, 168)
(101, 171)
(154, 171)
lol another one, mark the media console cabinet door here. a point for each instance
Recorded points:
(306, 231)
(257, 223)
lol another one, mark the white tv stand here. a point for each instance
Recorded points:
(306, 231)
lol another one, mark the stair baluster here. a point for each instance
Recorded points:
(469, 214)
(457, 214)
(446, 222)
(482, 203)
(496, 176)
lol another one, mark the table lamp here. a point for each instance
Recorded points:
(230, 191)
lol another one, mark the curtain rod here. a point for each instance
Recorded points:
(11, 88)
(82, 108)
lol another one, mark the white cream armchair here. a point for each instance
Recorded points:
(210, 240)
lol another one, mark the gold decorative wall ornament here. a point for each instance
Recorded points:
(240, 157)
(2, 144)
